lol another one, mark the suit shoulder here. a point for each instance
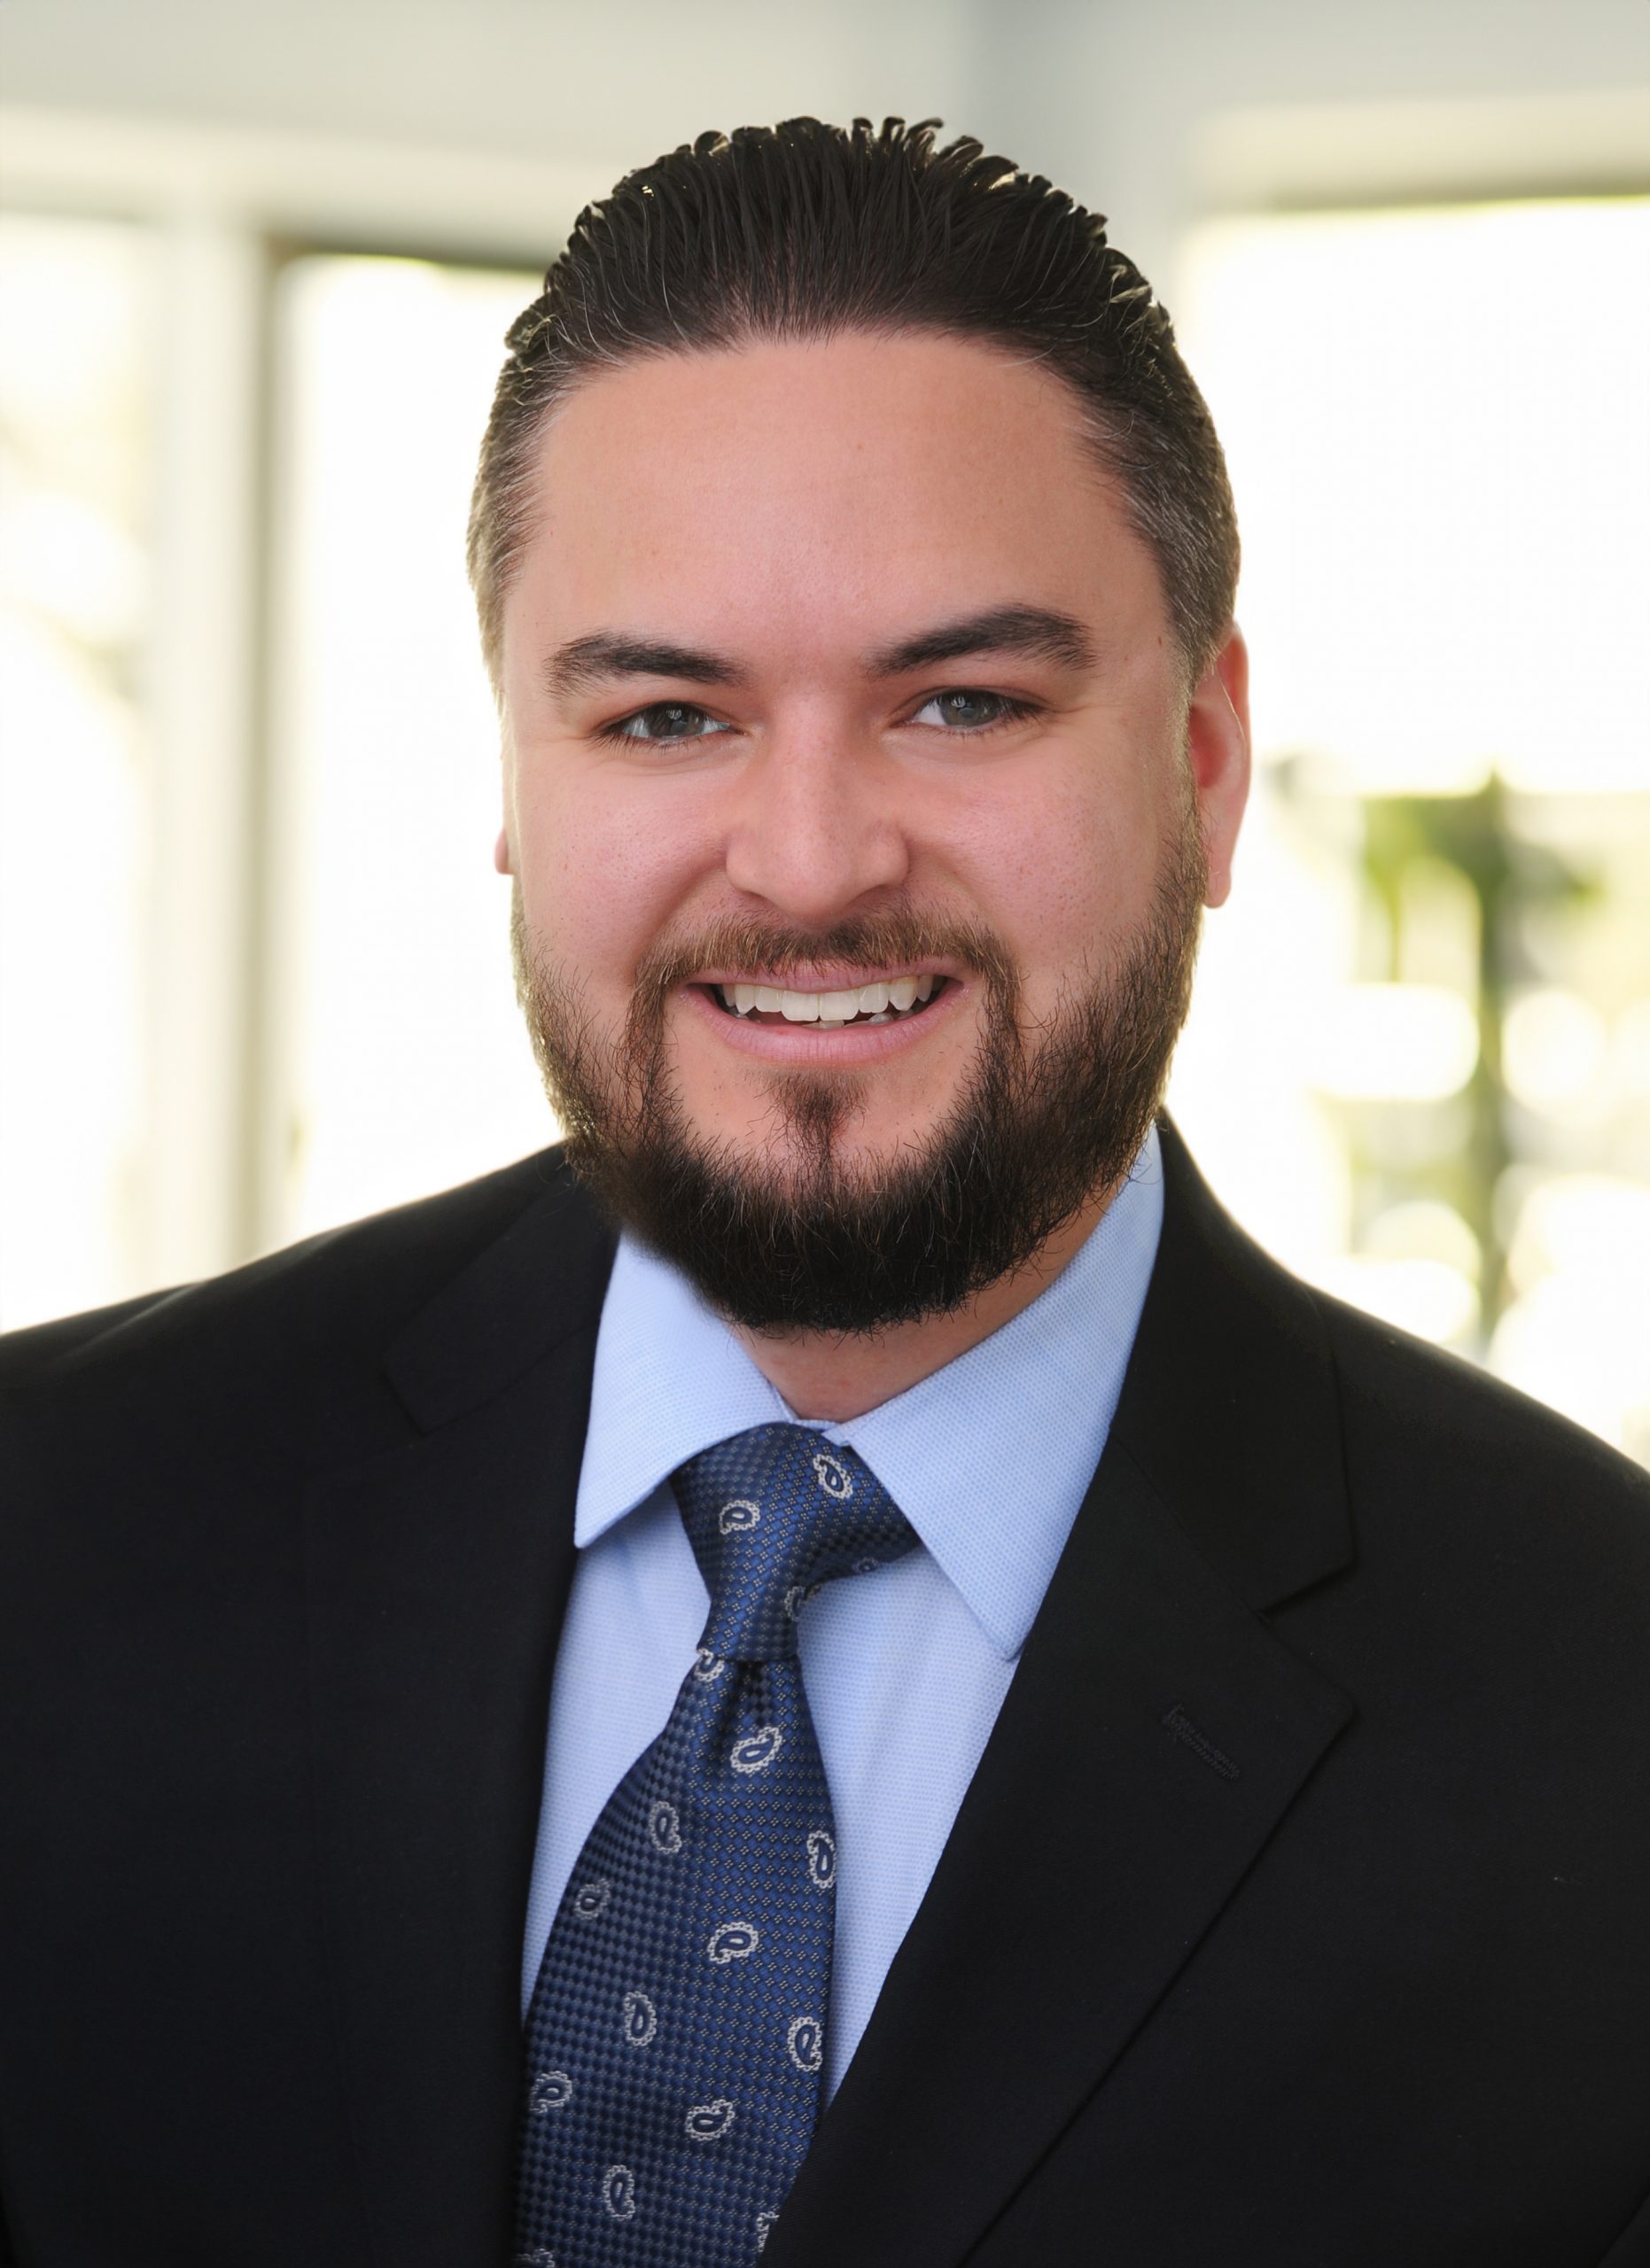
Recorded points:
(37, 1347)
(330, 1303)
(1437, 1429)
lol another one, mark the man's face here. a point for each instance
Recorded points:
(836, 666)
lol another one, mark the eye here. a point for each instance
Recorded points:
(962, 709)
(663, 723)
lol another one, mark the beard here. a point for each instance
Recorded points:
(798, 1239)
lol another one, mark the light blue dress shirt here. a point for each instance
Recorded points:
(905, 1668)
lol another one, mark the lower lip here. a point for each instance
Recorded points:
(806, 1044)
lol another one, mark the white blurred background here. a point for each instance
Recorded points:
(255, 266)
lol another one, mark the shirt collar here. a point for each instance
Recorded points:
(670, 1379)
(1013, 1428)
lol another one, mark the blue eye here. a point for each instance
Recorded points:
(664, 722)
(962, 710)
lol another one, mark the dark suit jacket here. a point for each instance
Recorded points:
(1298, 1914)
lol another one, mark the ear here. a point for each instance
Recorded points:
(503, 850)
(1218, 751)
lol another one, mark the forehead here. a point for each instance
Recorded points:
(808, 492)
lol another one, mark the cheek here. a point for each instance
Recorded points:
(601, 869)
(1062, 874)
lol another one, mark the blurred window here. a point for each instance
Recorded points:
(398, 1064)
(76, 447)
(1419, 1062)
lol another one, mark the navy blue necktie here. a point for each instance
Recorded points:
(675, 2040)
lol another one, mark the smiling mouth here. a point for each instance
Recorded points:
(889, 1001)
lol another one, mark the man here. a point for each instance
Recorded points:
(841, 1670)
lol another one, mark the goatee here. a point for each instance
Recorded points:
(799, 1240)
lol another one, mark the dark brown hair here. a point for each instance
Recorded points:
(802, 230)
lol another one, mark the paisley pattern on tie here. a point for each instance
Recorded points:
(675, 2040)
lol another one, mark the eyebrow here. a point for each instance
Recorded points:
(595, 660)
(1040, 632)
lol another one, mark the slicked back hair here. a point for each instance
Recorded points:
(805, 231)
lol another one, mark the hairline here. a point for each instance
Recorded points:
(1095, 432)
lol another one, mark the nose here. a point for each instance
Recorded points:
(815, 829)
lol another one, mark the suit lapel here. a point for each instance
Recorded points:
(436, 1578)
(1154, 1735)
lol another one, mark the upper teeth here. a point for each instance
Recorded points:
(828, 1007)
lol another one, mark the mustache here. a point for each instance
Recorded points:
(873, 941)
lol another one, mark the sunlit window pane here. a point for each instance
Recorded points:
(77, 310)
(1435, 422)
(1415, 1063)
(405, 1063)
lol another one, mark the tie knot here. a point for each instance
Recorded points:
(772, 1514)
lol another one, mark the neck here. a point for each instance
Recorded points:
(839, 1377)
